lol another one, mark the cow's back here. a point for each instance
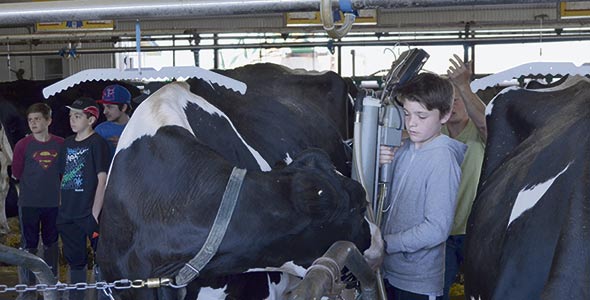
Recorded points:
(325, 91)
(280, 115)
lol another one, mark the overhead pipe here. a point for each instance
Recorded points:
(89, 34)
(182, 34)
(440, 3)
(57, 11)
(382, 42)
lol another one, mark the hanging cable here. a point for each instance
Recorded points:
(541, 37)
(138, 44)
(327, 17)
(8, 58)
(541, 18)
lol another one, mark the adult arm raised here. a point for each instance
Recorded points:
(460, 74)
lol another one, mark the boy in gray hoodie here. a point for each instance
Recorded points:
(422, 195)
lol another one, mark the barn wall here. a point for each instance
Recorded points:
(455, 17)
(53, 65)
(405, 20)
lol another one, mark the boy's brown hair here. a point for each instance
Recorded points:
(40, 107)
(430, 90)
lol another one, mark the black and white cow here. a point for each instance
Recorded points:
(14, 127)
(170, 170)
(529, 229)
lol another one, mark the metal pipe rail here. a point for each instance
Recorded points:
(58, 11)
(33, 263)
(183, 34)
(323, 276)
(382, 42)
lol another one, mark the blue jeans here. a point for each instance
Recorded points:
(453, 259)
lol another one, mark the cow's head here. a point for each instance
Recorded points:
(320, 192)
(292, 215)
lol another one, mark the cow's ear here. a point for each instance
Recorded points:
(313, 158)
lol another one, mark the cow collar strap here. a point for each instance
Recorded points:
(192, 269)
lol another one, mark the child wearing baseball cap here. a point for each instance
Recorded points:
(83, 164)
(116, 103)
(84, 105)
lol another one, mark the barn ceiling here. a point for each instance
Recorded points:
(418, 21)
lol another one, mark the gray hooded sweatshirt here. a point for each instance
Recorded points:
(422, 198)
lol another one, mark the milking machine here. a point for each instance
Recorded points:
(379, 121)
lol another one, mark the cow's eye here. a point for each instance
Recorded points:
(320, 192)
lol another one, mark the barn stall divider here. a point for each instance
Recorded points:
(33, 263)
(322, 278)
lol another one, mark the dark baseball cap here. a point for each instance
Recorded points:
(85, 105)
(115, 94)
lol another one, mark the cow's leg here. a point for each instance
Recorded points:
(5, 161)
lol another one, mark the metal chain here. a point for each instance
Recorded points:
(122, 284)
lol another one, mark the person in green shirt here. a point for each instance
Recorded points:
(467, 124)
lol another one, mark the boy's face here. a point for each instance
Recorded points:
(38, 123)
(112, 112)
(79, 121)
(458, 113)
(423, 125)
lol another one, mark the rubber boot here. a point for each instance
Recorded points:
(27, 277)
(75, 277)
(51, 257)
